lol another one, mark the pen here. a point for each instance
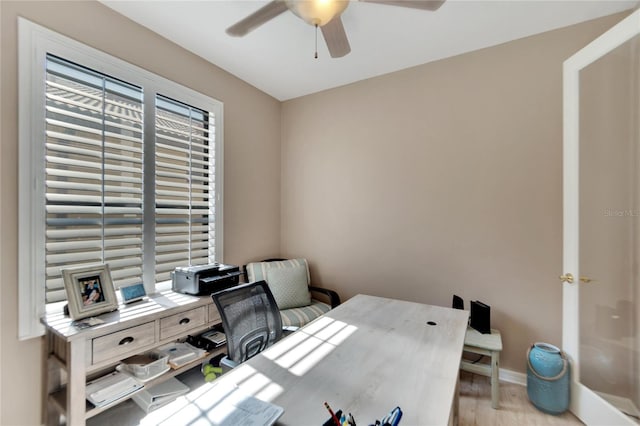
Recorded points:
(333, 415)
(351, 420)
(393, 418)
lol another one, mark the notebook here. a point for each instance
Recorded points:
(154, 397)
(111, 387)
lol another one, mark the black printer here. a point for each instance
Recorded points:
(199, 280)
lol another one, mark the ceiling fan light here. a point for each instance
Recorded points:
(317, 12)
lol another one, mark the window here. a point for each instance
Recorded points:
(185, 209)
(93, 174)
(117, 166)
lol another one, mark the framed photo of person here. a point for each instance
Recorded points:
(90, 291)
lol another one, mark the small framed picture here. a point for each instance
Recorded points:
(89, 291)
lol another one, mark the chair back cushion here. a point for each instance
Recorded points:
(288, 281)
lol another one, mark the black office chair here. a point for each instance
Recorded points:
(251, 321)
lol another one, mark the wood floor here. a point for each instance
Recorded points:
(515, 408)
(475, 406)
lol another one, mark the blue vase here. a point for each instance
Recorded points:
(548, 378)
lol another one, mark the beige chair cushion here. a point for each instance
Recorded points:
(297, 317)
(287, 279)
(289, 286)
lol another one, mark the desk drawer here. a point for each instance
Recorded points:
(214, 315)
(118, 345)
(179, 323)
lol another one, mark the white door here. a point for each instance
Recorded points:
(601, 258)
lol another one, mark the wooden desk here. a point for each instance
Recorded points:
(366, 356)
(162, 318)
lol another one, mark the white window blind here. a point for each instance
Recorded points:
(117, 165)
(94, 174)
(185, 178)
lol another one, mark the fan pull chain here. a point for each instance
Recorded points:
(316, 55)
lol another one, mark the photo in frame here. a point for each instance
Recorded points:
(89, 291)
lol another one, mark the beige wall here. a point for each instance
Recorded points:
(440, 179)
(252, 164)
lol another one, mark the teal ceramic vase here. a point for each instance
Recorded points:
(548, 378)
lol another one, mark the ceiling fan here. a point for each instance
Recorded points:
(320, 13)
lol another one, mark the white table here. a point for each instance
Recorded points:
(367, 356)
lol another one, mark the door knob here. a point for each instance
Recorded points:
(566, 278)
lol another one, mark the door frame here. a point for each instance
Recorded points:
(585, 403)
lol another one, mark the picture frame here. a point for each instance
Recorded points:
(132, 293)
(89, 290)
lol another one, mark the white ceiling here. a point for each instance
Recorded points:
(278, 57)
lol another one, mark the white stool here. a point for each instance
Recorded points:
(489, 345)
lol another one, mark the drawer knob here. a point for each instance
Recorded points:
(126, 340)
(184, 321)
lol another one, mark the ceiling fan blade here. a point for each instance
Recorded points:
(336, 38)
(257, 18)
(415, 4)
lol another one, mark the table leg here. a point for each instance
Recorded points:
(76, 378)
(52, 381)
(454, 415)
(495, 390)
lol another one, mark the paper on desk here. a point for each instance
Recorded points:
(87, 322)
(246, 410)
(216, 404)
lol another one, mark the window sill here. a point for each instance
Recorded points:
(57, 307)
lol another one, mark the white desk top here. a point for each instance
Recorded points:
(366, 357)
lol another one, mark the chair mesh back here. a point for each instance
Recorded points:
(250, 317)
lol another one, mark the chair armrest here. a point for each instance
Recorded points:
(245, 274)
(333, 296)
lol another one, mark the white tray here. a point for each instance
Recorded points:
(181, 353)
(123, 370)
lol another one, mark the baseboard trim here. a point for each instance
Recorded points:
(512, 377)
(504, 375)
(625, 405)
